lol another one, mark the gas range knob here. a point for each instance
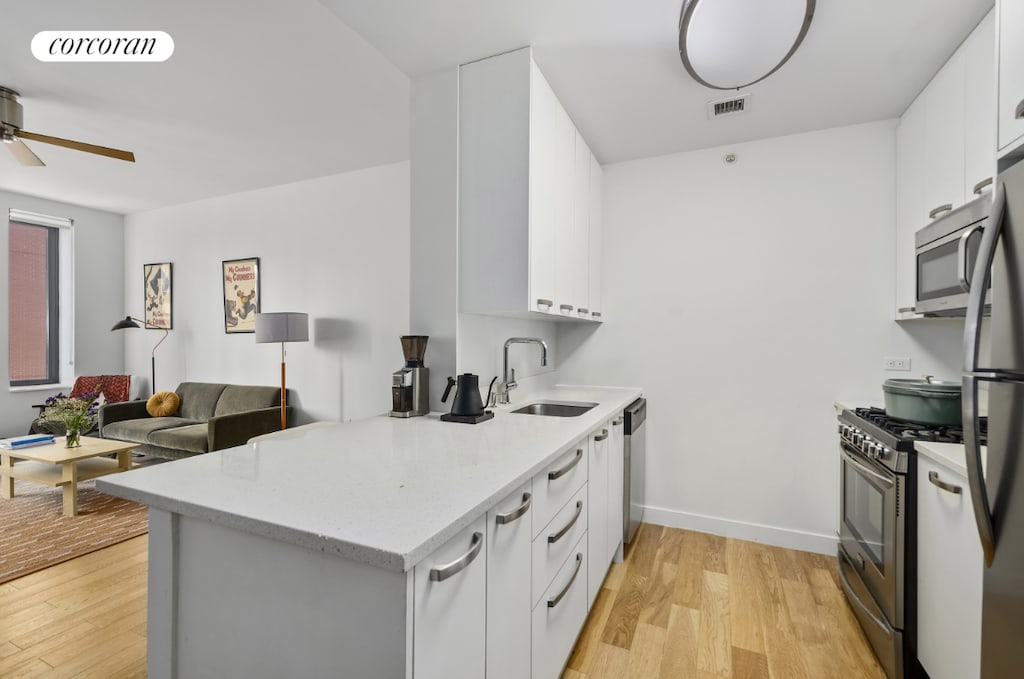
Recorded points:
(856, 437)
(842, 428)
(882, 452)
(866, 445)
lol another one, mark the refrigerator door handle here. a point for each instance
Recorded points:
(980, 280)
(975, 472)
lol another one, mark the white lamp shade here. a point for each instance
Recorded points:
(729, 44)
(282, 326)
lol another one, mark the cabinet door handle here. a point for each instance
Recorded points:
(1020, 109)
(602, 436)
(939, 210)
(545, 302)
(565, 307)
(555, 537)
(509, 517)
(583, 311)
(442, 573)
(595, 314)
(618, 422)
(933, 478)
(982, 185)
(559, 473)
(579, 562)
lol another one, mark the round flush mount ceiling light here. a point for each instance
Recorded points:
(730, 44)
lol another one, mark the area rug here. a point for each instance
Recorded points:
(35, 534)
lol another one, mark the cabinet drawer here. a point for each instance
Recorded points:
(553, 487)
(552, 546)
(559, 617)
(950, 575)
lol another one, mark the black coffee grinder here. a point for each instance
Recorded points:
(467, 406)
(410, 395)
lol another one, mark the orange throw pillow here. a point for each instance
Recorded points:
(163, 404)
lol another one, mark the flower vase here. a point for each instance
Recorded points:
(73, 439)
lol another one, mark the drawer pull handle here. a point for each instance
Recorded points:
(618, 422)
(509, 517)
(933, 477)
(982, 185)
(579, 562)
(939, 210)
(860, 602)
(559, 473)
(442, 573)
(565, 307)
(555, 537)
(545, 302)
(602, 436)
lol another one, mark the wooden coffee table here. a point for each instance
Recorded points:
(55, 465)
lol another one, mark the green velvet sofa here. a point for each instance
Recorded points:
(210, 417)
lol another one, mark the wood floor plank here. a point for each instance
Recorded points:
(31, 668)
(714, 556)
(670, 546)
(7, 648)
(803, 612)
(645, 548)
(714, 652)
(748, 665)
(790, 564)
(616, 573)
(690, 571)
(646, 654)
(79, 632)
(610, 662)
(679, 657)
(657, 602)
(112, 665)
(747, 596)
(625, 612)
(572, 674)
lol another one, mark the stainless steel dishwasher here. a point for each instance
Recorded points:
(634, 469)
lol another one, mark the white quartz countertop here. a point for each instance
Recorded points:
(384, 491)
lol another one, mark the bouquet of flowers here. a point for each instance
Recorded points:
(71, 416)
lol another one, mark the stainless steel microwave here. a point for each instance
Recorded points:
(946, 251)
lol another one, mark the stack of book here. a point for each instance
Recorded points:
(26, 441)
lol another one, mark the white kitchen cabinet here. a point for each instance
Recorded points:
(596, 241)
(597, 519)
(449, 608)
(944, 149)
(616, 489)
(950, 575)
(979, 107)
(508, 587)
(558, 482)
(560, 615)
(552, 546)
(1010, 76)
(522, 250)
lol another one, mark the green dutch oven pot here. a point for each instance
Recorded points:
(924, 401)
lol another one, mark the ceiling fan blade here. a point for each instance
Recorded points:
(79, 146)
(24, 154)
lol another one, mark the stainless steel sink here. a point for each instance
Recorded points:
(556, 408)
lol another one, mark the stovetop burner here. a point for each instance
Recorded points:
(909, 431)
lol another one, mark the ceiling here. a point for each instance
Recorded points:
(266, 92)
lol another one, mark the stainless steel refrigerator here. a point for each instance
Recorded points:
(997, 492)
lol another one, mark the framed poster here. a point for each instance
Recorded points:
(157, 289)
(241, 294)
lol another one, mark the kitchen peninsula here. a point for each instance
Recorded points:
(349, 549)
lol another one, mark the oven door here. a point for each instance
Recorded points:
(871, 528)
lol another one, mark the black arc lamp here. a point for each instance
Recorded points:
(132, 322)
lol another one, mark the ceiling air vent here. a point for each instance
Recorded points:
(728, 107)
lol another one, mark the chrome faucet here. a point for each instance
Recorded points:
(509, 380)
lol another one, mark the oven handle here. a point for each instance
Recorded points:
(860, 602)
(889, 483)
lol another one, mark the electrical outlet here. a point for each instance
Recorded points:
(897, 363)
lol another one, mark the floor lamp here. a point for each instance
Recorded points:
(282, 326)
(130, 322)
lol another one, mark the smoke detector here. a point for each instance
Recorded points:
(729, 107)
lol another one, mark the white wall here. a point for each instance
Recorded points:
(336, 248)
(99, 288)
(744, 299)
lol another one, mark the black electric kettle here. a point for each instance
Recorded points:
(467, 406)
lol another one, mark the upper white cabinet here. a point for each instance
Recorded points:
(596, 221)
(526, 182)
(1011, 76)
(950, 575)
(945, 150)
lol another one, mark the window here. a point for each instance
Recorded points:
(38, 316)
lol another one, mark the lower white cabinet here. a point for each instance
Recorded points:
(559, 617)
(558, 538)
(449, 619)
(508, 586)
(597, 524)
(950, 575)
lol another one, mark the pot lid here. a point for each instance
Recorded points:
(923, 387)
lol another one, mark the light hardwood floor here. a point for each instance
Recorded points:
(686, 604)
(683, 605)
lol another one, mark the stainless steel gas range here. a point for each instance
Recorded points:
(878, 530)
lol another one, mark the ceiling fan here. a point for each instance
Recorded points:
(11, 135)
